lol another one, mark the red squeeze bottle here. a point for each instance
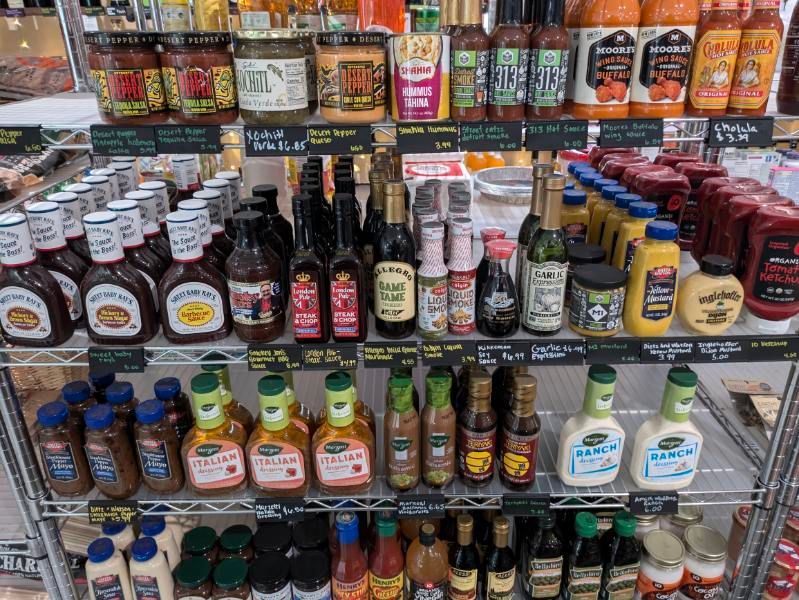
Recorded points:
(611, 155)
(696, 172)
(596, 153)
(672, 159)
(615, 167)
(706, 189)
(633, 171)
(669, 191)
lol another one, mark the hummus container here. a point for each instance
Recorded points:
(419, 76)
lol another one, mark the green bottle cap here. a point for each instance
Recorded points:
(683, 376)
(223, 376)
(386, 525)
(339, 399)
(204, 383)
(585, 525)
(338, 381)
(400, 391)
(678, 394)
(193, 572)
(230, 574)
(599, 390)
(602, 374)
(624, 523)
(206, 401)
(273, 403)
(271, 385)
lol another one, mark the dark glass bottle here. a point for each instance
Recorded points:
(372, 226)
(269, 237)
(530, 224)
(347, 291)
(394, 272)
(477, 434)
(221, 242)
(322, 227)
(621, 557)
(345, 184)
(277, 221)
(487, 234)
(542, 560)
(520, 430)
(549, 63)
(307, 276)
(509, 57)
(583, 574)
(500, 573)
(464, 562)
(497, 304)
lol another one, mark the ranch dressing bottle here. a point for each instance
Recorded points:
(667, 445)
(591, 442)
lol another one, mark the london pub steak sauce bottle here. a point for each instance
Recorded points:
(346, 278)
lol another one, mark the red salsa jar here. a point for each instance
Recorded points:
(199, 79)
(127, 77)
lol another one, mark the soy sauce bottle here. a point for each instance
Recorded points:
(621, 557)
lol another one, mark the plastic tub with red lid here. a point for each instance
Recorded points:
(672, 159)
(615, 167)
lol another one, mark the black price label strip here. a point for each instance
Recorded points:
(631, 133)
(339, 139)
(449, 354)
(654, 503)
(525, 505)
(276, 141)
(112, 511)
(116, 360)
(557, 135)
(558, 353)
(380, 355)
(776, 348)
(480, 137)
(20, 140)
(109, 140)
(721, 350)
(411, 506)
(271, 357)
(737, 132)
(612, 352)
(422, 138)
(332, 356)
(503, 354)
(187, 139)
(667, 351)
(268, 510)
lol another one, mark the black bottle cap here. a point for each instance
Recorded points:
(599, 277)
(253, 203)
(715, 264)
(427, 534)
(310, 568)
(310, 533)
(547, 521)
(582, 254)
(269, 570)
(265, 190)
(272, 537)
(248, 219)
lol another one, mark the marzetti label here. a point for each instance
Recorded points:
(596, 452)
(672, 457)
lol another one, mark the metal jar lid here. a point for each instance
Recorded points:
(351, 38)
(664, 549)
(705, 543)
(279, 35)
(647, 519)
(687, 515)
(194, 38)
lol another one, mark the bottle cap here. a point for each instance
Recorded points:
(427, 534)
(540, 170)
(583, 254)
(642, 210)
(589, 177)
(143, 549)
(338, 381)
(480, 385)
(152, 525)
(112, 528)
(715, 264)
(548, 521)
(347, 527)
(270, 571)
(101, 380)
(167, 388)
(100, 550)
(204, 383)
(585, 525)
(265, 190)
(52, 413)
(575, 164)
(682, 376)
(235, 538)
(386, 525)
(574, 197)
(99, 416)
(500, 249)
(602, 182)
(604, 374)
(609, 192)
(119, 392)
(199, 540)
(599, 277)
(193, 572)
(150, 411)
(488, 234)
(310, 566)
(662, 230)
(230, 574)
(272, 537)
(310, 533)
(461, 226)
(75, 392)
(768, 325)
(624, 199)
(554, 182)
(271, 385)
(624, 523)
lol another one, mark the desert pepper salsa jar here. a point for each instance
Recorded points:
(199, 81)
(127, 77)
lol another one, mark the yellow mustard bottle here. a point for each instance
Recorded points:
(574, 217)
(595, 195)
(652, 286)
(631, 233)
(585, 182)
(613, 221)
(601, 209)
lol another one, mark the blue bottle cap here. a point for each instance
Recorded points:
(167, 388)
(75, 392)
(642, 210)
(569, 185)
(575, 164)
(152, 525)
(100, 550)
(102, 380)
(662, 230)
(347, 527)
(52, 413)
(574, 197)
(609, 191)
(119, 392)
(99, 417)
(150, 411)
(601, 183)
(589, 178)
(623, 200)
(143, 549)
(113, 528)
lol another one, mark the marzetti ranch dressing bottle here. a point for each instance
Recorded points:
(591, 442)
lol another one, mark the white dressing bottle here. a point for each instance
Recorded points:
(667, 446)
(154, 526)
(150, 575)
(107, 571)
(591, 442)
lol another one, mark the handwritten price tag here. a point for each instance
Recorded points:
(445, 354)
(276, 141)
(421, 505)
(286, 509)
(740, 132)
(421, 138)
(654, 503)
(502, 354)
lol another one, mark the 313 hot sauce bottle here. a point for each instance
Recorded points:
(509, 62)
(549, 64)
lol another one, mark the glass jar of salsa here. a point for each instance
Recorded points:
(127, 77)
(197, 68)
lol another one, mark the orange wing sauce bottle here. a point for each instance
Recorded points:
(605, 55)
(761, 35)
(718, 37)
(663, 57)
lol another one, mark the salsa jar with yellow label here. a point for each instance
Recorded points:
(199, 83)
(127, 77)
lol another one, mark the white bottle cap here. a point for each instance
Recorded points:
(16, 243)
(129, 220)
(102, 232)
(70, 205)
(201, 208)
(148, 207)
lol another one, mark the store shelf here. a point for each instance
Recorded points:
(725, 476)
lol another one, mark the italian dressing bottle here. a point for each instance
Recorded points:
(667, 445)
(591, 442)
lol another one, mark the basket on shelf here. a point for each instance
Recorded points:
(31, 379)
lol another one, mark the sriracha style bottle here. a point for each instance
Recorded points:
(386, 561)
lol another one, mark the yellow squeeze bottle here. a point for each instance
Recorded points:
(595, 195)
(611, 231)
(574, 216)
(601, 210)
(586, 184)
(652, 285)
(631, 233)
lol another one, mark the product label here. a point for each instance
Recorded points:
(629, 252)
(310, 76)
(462, 584)
(696, 587)
(754, 68)
(420, 83)
(255, 302)
(307, 320)
(777, 273)
(154, 459)
(216, 464)
(499, 308)
(596, 311)
(429, 590)
(283, 593)
(620, 582)
(518, 457)
(101, 463)
(671, 457)
(500, 585)
(469, 78)
(571, 76)
(277, 465)
(352, 85)
(402, 461)
(187, 174)
(661, 64)
(47, 229)
(195, 308)
(543, 298)
(356, 590)
(648, 589)
(153, 288)
(583, 583)
(575, 233)
(543, 576)
(395, 284)
(24, 314)
(509, 76)
(439, 456)
(476, 453)
(344, 315)
(660, 288)
(107, 587)
(195, 91)
(342, 462)
(271, 85)
(59, 460)
(594, 453)
(386, 588)
(713, 65)
(129, 92)
(605, 65)
(432, 302)
(320, 594)
(145, 587)
(112, 311)
(547, 78)
(461, 300)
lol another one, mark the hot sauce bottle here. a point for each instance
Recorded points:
(520, 431)
(307, 279)
(549, 64)
(663, 57)
(573, 11)
(345, 274)
(386, 561)
(477, 433)
(71, 217)
(116, 297)
(432, 284)
(718, 37)
(509, 62)
(462, 280)
(761, 35)
(470, 69)
(350, 570)
(438, 432)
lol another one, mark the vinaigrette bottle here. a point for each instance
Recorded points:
(233, 409)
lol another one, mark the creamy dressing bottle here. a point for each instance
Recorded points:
(591, 442)
(154, 526)
(667, 445)
(107, 572)
(150, 575)
(121, 534)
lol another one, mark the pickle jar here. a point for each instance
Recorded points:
(270, 76)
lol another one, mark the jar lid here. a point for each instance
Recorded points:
(662, 230)
(230, 574)
(715, 264)
(75, 392)
(100, 550)
(664, 549)
(584, 254)
(642, 210)
(623, 200)
(609, 192)
(199, 540)
(193, 572)
(152, 525)
(52, 413)
(599, 277)
(685, 377)
(601, 183)
(272, 536)
(119, 392)
(194, 38)
(167, 388)
(338, 381)
(150, 411)
(705, 543)
(102, 380)
(235, 538)
(267, 34)
(647, 519)
(351, 38)
(120, 38)
(269, 569)
(787, 555)
(112, 528)
(573, 165)
(310, 567)
(99, 416)
(204, 383)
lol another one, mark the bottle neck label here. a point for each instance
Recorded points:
(16, 245)
(105, 242)
(47, 229)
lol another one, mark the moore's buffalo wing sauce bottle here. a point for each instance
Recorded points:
(606, 51)
(663, 57)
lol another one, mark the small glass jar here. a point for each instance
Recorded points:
(270, 76)
(597, 300)
(272, 537)
(310, 575)
(307, 42)
(61, 446)
(684, 517)
(230, 580)
(110, 454)
(193, 579)
(661, 566)
(310, 534)
(581, 254)
(646, 523)
(202, 542)
(784, 570)
(127, 77)
(705, 560)
(198, 77)
(236, 542)
(269, 576)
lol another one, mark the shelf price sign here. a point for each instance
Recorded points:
(450, 353)
(384, 355)
(732, 132)
(420, 138)
(273, 357)
(480, 137)
(276, 141)
(272, 510)
(417, 506)
(108, 140)
(631, 133)
(20, 140)
(503, 354)
(330, 356)
(339, 139)
(116, 360)
(525, 505)
(187, 139)
(557, 135)
(112, 511)
(654, 503)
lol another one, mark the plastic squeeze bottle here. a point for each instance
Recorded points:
(591, 442)
(667, 445)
